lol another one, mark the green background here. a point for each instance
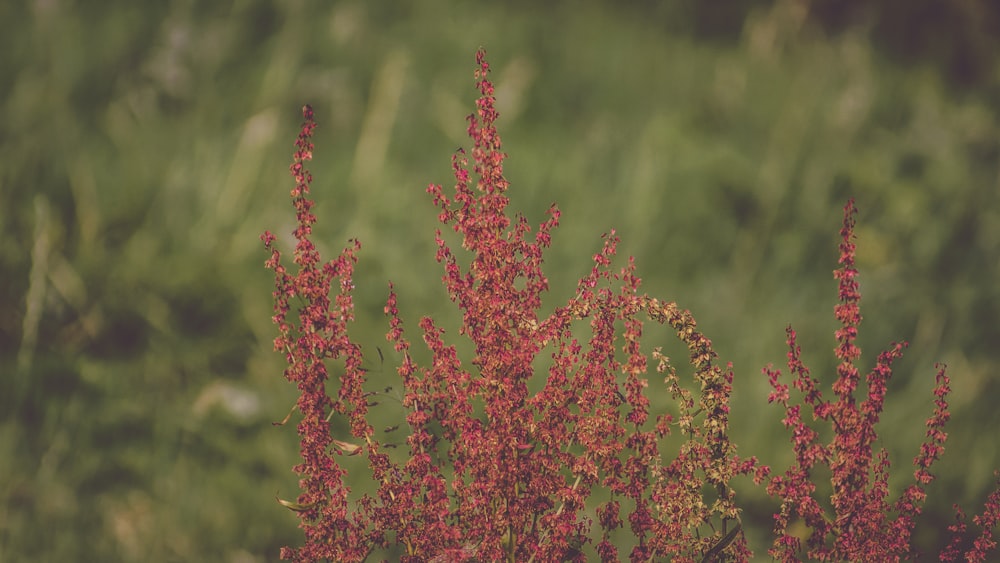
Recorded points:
(145, 147)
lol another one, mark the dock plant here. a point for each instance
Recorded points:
(508, 461)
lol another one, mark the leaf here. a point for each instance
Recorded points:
(294, 506)
(712, 554)
(347, 447)
(284, 421)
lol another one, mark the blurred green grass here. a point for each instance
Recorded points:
(145, 148)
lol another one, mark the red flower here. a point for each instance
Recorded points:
(864, 526)
(508, 449)
(497, 471)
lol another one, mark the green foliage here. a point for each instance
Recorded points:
(143, 154)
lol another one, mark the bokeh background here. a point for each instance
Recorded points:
(145, 147)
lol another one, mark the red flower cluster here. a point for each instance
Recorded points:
(508, 464)
(321, 334)
(864, 526)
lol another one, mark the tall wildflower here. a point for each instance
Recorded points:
(320, 335)
(863, 525)
(496, 471)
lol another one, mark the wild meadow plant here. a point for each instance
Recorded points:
(863, 526)
(506, 464)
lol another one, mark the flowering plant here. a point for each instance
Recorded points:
(864, 526)
(507, 461)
